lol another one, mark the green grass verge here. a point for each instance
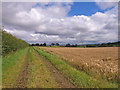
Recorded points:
(10, 60)
(79, 78)
(11, 66)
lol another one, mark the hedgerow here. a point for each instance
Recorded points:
(11, 43)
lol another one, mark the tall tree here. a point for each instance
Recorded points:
(67, 45)
(57, 44)
(37, 44)
(44, 44)
(52, 44)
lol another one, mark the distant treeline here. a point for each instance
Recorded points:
(110, 44)
(11, 43)
(44, 44)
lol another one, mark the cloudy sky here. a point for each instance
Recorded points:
(60, 22)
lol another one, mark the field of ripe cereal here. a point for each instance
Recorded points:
(97, 62)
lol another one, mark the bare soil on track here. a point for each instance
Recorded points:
(62, 81)
(22, 77)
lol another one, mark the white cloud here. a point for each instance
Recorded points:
(104, 4)
(51, 24)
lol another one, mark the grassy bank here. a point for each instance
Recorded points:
(79, 78)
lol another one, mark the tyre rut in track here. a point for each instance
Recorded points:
(62, 81)
(22, 77)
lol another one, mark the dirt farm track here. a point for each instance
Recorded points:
(61, 67)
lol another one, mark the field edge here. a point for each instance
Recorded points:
(77, 77)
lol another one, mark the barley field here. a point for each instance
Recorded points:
(98, 62)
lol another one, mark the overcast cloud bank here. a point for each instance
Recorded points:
(49, 22)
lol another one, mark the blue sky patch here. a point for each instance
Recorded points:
(85, 8)
(80, 8)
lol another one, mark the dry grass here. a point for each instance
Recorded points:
(95, 61)
(39, 76)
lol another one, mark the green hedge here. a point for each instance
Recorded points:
(11, 43)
